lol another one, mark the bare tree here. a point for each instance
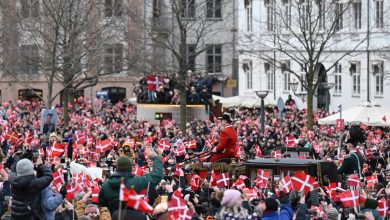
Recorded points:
(175, 25)
(308, 33)
(72, 44)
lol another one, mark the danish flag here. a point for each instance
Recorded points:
(286, 183)
(239, 184)
(223, 180)
(371, 180)
(29, 137)
(276, 154)
(331, 190)
(258, 151)
(190, 144)
(213, 178)
(58, 149)
(57, 177)
(137, 202)
(12, 136)
(196, 181)
(179, 151)
(383, 207)
(353, 180)
(164, 144)
(177, 207)
(103, 146)
(137, 170)
(349, 198)
(250, 194)
(81, 138)
(290, 142)
(302, 182)
(263, 176)
(95, 194)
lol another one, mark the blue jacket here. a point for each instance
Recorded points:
(285, 213)
(50, 203)
(375, 213)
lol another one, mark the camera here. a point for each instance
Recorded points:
(311, 212)
(360, 216)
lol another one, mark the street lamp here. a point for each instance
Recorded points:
(294, 88)
(262, 94)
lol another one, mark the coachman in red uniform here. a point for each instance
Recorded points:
(227, 145)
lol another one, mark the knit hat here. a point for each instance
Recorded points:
(332, 214)
(271, 204)
(123, 164)
(230, 198)
(24, 167)
(370, 203)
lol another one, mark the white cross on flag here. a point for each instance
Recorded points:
(58, 149)
(164, 144)
(190, 144)
(349, 198)
(258, 151)
(371, 180)
(179, 151)
(103, 146)
(286, 183)
(263, 176)
(276, 154)
(290, 141)
(250, 194)
(383, 207)
(223, 180)
(302, 182)
(353, 180)
(239, 184)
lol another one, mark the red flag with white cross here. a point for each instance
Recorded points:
(302, 182)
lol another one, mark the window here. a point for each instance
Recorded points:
(187, 8)
(286, 76)
(337, 79)
(355, 72)
(287, 13)
(339, 16)
(214, 58)
(270, 15)
(30, 8)
(248, 9)
(379, 14)
(378, 73)
(303, 79)
(190, 56)
(321, 15)
(214, 8)
(113, 8)
(304, 14)
(270, 77)
(357, 15)
(156, 8)
(29, 59)
(247, 66)
(113, 58)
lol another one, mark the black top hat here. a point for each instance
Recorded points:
(227, 118)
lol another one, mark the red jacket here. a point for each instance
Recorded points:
(227, 141)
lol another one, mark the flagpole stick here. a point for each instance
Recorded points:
(120, 210)
(147, 190)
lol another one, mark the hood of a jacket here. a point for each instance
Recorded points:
(21, 182)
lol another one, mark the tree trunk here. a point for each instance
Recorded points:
(65, 106)
(49, 92)
(71, 100)
(309, 123)
(183, 101)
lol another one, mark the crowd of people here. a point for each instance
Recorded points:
(164, 88)
(106, 164)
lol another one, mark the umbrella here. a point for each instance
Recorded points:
(249, 100)
(367, 113)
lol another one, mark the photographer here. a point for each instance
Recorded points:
(51, 200)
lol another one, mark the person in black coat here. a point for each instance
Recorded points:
(26, 188)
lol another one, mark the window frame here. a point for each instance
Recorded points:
(287, 13)
(338, 79)
(379, 14)
(270, 76)
(187, 12)
(113, 60)
(29, 10)
(114, 8)
(270, 16)
(191, 60)
(213, 9)
(321, 15)
(214, 55)
(249, 74)
(357, 15)
(340, 16)
(249, 16)
(30, 59)
(356, 79)
(379, 78)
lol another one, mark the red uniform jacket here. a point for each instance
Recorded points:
(227, 145)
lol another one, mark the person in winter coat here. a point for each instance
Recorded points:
(232, 207)
(270, 210)
(50, 201)
(91, 210)
(26, 189)
(109, 193)
(370, 205)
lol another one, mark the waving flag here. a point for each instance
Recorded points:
(383, 207)
(58, 149)
(12, 136)
(353, 180)
(349, 198)
(250, 194)
(179, 151)
(371, 180)
(302, 182)
(190, 144)
(258, 151)
(239, 184)
(164, 145)
(103, 146)
(223, 180)
(287, 184)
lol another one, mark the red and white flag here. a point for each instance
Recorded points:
(276, 154)
(286, 183)
(262, 176)
(58, 178)
(353, 180)
(349, 198)
(239, 184)
(250, 194)
(290, 141)
(58, 149)
(137, 202)
(190, 144)
(12, 136)
(223, 180)
(177, 207)
(179, 151)
(331, 190)
(81, 138)
(103, 146)
(95, 194)
(371, 180)
(302, 182)
(164, 145)
(196, 181)
(137, 170)
(383, 207)
(258, 151)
